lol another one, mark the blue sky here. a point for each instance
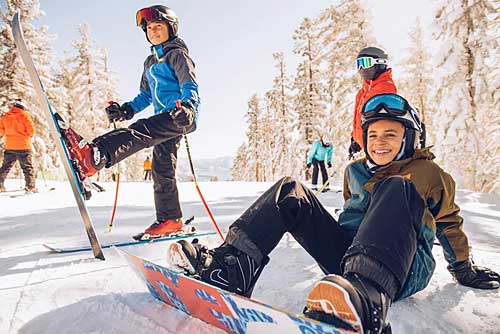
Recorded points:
(231, 42)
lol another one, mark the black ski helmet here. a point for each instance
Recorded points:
(409, 119)
(375, 52)
(158, 13)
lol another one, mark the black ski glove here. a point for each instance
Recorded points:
(308, 166)
(353, 148)
(468, 274)
(329, 165)
(184, 115)
(116, 112)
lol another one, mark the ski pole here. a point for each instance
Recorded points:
(111, 221)
(178, 105)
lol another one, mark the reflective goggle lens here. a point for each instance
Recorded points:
(367, 62)
(394, 104)
(145, 15)
(364, 62)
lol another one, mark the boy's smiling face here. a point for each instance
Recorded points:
(384, 140)
(157, 32)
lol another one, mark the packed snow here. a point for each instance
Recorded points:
(75, 293)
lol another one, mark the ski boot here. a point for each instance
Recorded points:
(86, 157)
(32, 190)
(168, 227)
(351, 302)
(2, 188)
(224, 267)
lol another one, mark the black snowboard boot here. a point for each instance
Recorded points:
(352, 302)
(224, 267)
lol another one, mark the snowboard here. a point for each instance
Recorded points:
(54, 124)
(55, 249)
(225, 310)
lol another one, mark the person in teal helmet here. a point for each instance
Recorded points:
(320, 151)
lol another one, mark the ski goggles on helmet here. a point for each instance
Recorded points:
(390, 106)
(367, 62)
(149, 14)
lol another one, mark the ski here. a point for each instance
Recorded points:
(225, 310)
(79, 191)
(54, 249)
(29, 193)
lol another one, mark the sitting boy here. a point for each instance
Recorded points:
(380, 250)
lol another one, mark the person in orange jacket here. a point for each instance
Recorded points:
(148, 165)
(372, 64)
(18, 128)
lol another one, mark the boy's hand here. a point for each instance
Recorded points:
(183, 116)
(329, 165)
(468, 274)
(116, 112)
(308, 166)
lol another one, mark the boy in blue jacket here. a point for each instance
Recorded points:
(168, 76)
(320, 150)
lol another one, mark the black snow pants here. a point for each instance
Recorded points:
(317, 164)
(382, 250)
(25, 160)
(158, 131)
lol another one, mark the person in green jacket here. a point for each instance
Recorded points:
(379, 250)
(320, 150)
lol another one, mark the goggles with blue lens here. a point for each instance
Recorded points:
(367, 62)
(391, 106)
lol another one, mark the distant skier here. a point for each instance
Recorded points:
(372, 65)
(320, 150)
(147, 165)
(168, 76)
(18, 128)
(397, 202)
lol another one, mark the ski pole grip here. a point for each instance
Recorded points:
(178, 104)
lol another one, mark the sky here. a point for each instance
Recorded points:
(231, 42)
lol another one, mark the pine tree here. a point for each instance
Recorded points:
(344, 30)
(14, 79)
(90, 85)
(254, 116)
(417, 80)
(239, 170)
(310, 91)
(279, 104)
(464, 93)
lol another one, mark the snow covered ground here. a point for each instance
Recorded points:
(74, 293)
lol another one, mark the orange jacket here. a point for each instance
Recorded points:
(383, 84)
(147, 164)
(18, 128)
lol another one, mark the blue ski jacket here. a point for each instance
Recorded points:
(168, 76)
(318, 152)
(441, 217)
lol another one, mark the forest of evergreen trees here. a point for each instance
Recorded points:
(456, 89)
(78, 86)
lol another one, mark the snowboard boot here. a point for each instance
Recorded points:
(352, 302)
(224, 267)
(87, 156)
